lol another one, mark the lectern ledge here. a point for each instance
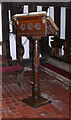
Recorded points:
(35, 25)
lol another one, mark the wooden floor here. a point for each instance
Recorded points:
(51, 88)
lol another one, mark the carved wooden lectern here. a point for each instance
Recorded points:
(35, 25)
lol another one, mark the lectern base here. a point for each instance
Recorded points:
(36, 102)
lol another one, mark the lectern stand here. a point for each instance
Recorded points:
(36, 99)
(35, 25)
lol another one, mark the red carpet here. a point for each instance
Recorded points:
(4, 69)
(57, 70)
(10, 68)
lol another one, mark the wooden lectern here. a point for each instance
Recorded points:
(35, 25)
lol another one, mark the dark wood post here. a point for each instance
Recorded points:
(57, 18)
(5, 29)
(19, 49)
(36, 87)
(52, 51)
(57, 51)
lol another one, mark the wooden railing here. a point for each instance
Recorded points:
(57, 48)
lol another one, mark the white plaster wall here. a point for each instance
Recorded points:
(63, 22)
(63, 25)
(12, 39)
(51, 14)
(39, 8)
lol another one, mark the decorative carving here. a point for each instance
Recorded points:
(22, 27)
(30, 26)
(38, 26)
(50, 29)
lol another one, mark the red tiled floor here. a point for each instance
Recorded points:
(51, 88)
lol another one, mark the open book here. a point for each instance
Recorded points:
(31, 13)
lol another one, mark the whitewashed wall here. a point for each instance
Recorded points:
(63, 22)
(51, 14)
(63, 25)
(39, 8)
(12, 39)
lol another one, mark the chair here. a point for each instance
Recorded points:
(16, 69)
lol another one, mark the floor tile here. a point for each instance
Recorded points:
(51, 88)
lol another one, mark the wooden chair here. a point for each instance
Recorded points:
(6, 70)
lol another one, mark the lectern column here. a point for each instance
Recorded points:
(36, 87)
(36, 99)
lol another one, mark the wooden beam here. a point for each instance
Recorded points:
(57, 17)
(5, 30)
(68, 23)
(46, 4)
